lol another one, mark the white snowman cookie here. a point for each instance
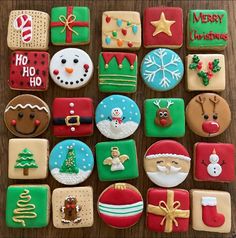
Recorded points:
(71, 68)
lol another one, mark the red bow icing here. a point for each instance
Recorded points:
(70, 206)
(117, 119)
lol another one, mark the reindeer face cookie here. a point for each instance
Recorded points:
(208, 115)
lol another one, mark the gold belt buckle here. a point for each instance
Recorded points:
(72, 123)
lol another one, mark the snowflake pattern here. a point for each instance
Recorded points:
(164, 66)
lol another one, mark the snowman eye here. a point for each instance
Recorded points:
(76, 61)
(63, 61)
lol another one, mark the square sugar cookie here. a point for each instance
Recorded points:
(164, 117)
(121, 30)
(28, 158)
(205, 72)
(163, 27)
(72, 207)
(28, 206)
(116, 160)
(28, 30)
(211, 210)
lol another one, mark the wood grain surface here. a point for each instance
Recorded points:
(99, 229)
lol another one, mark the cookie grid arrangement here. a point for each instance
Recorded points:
(166, 162)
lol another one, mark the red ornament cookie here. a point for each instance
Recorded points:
(163, 27)
(120, 205)
(72, 117)
(29, 71)
(214, 162)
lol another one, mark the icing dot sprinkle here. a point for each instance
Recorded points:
(72, 104)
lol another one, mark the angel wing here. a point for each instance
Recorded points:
(108, 161)
(123, 158)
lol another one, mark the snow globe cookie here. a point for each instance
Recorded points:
(120, 205)
(71, 162)
(208, 115)
(71, 68)
(117, 117)
(27, 116)
(167, 163)
(162, 69)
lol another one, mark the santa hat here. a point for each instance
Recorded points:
(167, 148)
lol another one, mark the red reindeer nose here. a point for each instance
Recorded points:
(163, 122)
(210, 127)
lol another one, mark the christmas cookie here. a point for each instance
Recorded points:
(72, 117)
(116, 160)
(29, 70)
(168, 210)
(71, 68)
(27, 116)
(28, 206)
(167, 163)
(207, 29)
(121, 30)
(214, 162)
(211, 210)
(162, 69)
(117, 72)
(208, 114)
(205, 72)
(28, 30)
(28, 158)
(71, 162)
(117, 117)
(72, 207)
(163, 27)
(120, 205)
(164, 117)
(70, 25)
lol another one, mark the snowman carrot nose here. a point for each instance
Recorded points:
(69, 70)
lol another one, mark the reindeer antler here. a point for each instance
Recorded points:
(157, 103)
(215, 100)
(169, 103)
(201, 101)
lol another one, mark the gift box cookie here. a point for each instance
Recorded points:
(207, 29)
(163, 27)
(117, 72)
(116, 160)
(205, 72)
(214, 162)
(28, 158)
(28, 30)
(70, 25)
(211, 210)
(29, 70)
(164, 117)
(72, 207)
(121, 30)
(168, 210)
(28, 206)
(72, 117)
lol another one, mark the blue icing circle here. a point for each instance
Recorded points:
(162, 69)
(117, 117)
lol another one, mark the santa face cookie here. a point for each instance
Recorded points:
(27, 116)
(167, 163)
(163, 27)
(117, 117)
(162, 69)
(71, 162)
(120, 205)
(29, 70)
(205, 72)
(214, 162)
(208, 115)
(211, 210)
(71, 68)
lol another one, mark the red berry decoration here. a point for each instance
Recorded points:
(108, 19)
(199, 66)
(210, 65)
(13, 122)
(37, 122)
(56, 71)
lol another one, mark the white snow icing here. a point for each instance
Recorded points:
(122, 131)
(70, 179)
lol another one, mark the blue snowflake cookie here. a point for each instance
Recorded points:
(162, 69)
(71, 162)
(117, 117)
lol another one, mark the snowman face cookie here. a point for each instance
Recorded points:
(71, 68)
(117, 117)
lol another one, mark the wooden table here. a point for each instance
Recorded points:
(99, 229)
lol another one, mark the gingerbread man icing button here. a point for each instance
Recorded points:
(208, 115)
(27, 116)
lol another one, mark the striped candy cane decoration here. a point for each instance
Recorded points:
(24, 23)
